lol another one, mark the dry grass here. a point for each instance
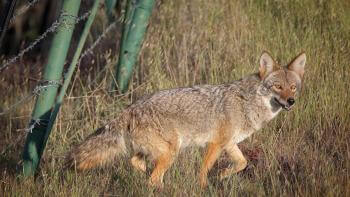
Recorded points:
(304, 152)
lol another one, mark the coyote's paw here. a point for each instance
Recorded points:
(203, 182)
(225, 173)
(138, 163)
(155, 183)
(233, 170)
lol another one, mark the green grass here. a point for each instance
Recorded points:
(304, 152)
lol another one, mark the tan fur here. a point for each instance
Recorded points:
(159, 126)
(237, 157)
(138, 162)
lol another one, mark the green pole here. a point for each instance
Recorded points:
(110, 4)
(70, 72)
(52, 75)
(130, 9)
(139, 12)
(127, 18)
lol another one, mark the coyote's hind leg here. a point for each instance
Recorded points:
(163, 163)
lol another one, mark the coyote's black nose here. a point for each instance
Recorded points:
(290, 101)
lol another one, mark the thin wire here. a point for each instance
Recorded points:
(44, 85)
(34, 122)
(97, 41)
(51, 29)
(36, 92)
(24, 9)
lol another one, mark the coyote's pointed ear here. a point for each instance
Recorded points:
(298, 64)
(267, 65)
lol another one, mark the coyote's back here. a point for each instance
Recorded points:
(159, 126)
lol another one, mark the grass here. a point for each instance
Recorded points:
(304, 152)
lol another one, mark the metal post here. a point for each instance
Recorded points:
(137, 18)
(70, 71)
(52, 76)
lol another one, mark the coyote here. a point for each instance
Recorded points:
(158, 127)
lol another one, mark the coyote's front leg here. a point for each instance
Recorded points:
(237, 157)
(138, 162)
(213, 152)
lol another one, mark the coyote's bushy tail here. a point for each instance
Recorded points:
(98, 149)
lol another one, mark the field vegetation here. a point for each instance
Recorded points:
(304, 152)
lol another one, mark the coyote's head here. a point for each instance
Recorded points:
(282, 84)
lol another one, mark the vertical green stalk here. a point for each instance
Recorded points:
(130, 8)
(139, 12)
(127, 18)
(52, 74)
(110, 4)
(71, 70)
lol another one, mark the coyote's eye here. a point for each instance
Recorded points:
(277, 86)
(293, 88)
